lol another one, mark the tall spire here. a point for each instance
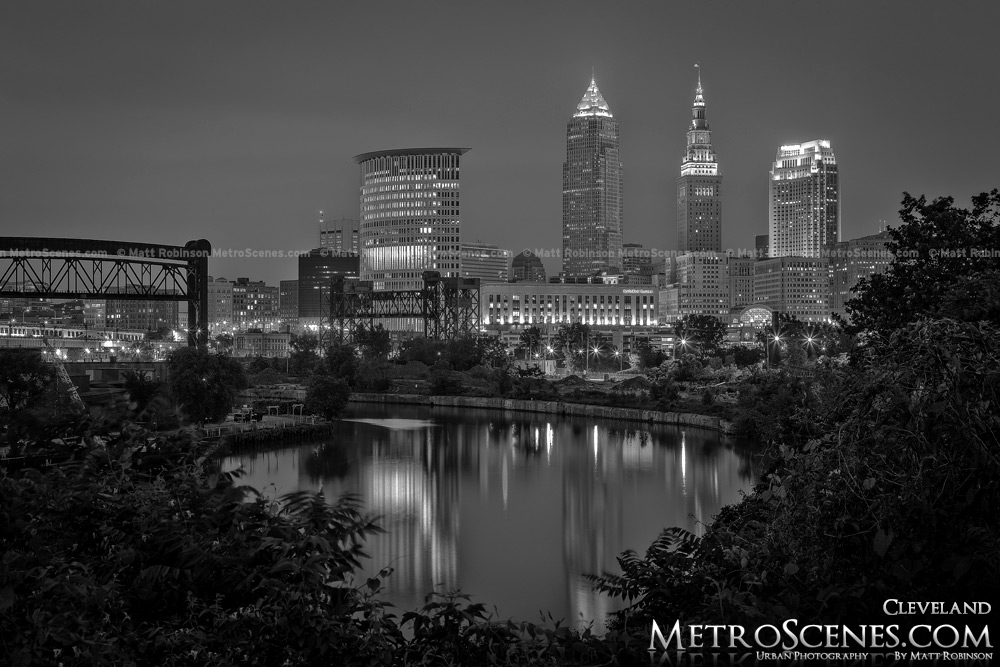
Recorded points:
(593, 103)
(698, 120)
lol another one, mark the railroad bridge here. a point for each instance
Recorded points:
(449, 307)
(62, 268)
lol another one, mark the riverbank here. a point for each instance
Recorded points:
(553, 407)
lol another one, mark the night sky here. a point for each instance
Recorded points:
(237, 121)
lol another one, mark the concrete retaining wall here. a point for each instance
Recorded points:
(553, 407)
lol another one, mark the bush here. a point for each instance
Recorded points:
(326, 396)
(887, 480)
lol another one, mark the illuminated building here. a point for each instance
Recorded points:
(796, 286)
(760, 245)
(740, 274)
(220, 304)
(485, 261)
(255, 305)
(341, 237)
(410, 220)
(699, 188)
(850, 261)
(288, 303)
(317, 270)
(592, 189)
(745, 322)
(535, 303)
(527, 266)
(259, 344)
(637, 265)
(804, 200)
(701, 287)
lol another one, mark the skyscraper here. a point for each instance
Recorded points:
(804, 200)
(699, 188)
(410, 219)
(592, 189)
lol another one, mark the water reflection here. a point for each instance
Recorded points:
(511, 508)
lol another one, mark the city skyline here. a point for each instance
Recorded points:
(237, 122)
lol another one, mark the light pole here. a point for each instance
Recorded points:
(621, 362)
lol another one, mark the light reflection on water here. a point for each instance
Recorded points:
(509, 507)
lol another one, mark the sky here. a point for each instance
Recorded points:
(237, 121)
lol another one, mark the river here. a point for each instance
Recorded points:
(510, 508)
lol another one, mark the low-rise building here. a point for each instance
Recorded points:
(256, 343)
(535, 303)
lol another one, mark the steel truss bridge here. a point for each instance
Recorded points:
(92, 269)
(449, 307)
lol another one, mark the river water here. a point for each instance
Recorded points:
(510, 508)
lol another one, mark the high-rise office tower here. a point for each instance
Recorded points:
(804, 200)
(410, 220)
(339, 236)
(592, 189)
(699, 188)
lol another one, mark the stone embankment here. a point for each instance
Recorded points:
(554, 407)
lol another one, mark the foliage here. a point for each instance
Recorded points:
(141, 389)
(341, 361)
(746, 356)
(647, 355)
(139, 553)
(258, 365)
(373, 343)
(204, 385)
(425, 350)
(373, 375)
(688, 368)
(326, 395)
(223, 342)
(571, 341)
(664, 391)
(531, 340)
(706, 331)
(304, 357)
(445, 381)
(268, 376)
(886, 484)
(24, 379)
(934, 249)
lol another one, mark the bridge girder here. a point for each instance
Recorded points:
(64, 268)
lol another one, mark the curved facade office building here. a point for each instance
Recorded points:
(410, 221)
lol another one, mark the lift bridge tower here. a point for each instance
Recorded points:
(449, 307)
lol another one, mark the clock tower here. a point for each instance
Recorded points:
(699, 188)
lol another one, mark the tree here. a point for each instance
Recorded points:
(705, 330)
(646, 355)
(24, 379)
(373, 342)
(491, 351)
(341, 362)
(204, 385)
(531, 340)
(141, 389)
(327, 396)
(303, 358)
(573, 341)
(937, 246)
(224, 343)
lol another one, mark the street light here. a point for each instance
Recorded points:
(621, 362)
